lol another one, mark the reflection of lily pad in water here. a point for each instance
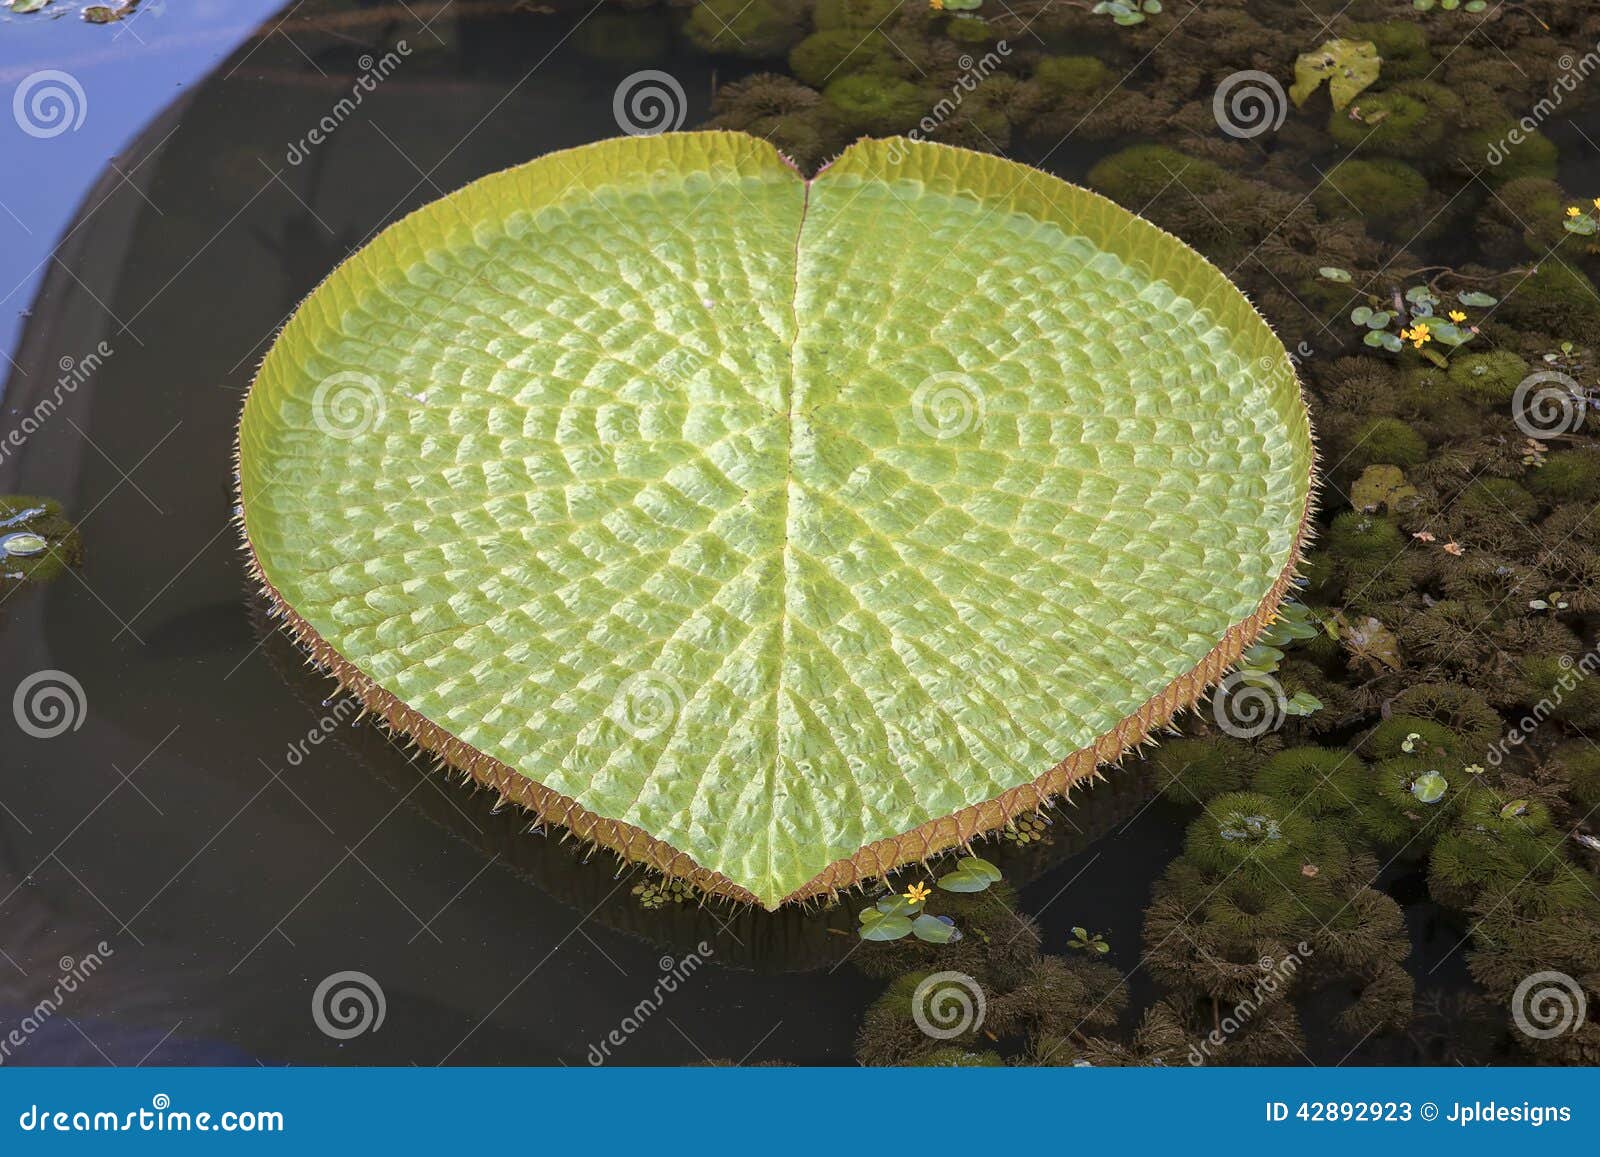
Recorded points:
(776, 533)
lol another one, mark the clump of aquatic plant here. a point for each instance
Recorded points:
(37, 540)
(1584, 221)
(1192, 770)
(751, 28)
(776, 108)
(1381, 190)
(899, 915)
(995, 984)
(1268, 903)
(1406, 121)
(1325, 780)
(1085, 941)
(1410, 317)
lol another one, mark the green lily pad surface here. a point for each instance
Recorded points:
(775, 531)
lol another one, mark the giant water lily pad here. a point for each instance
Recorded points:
(774, 532)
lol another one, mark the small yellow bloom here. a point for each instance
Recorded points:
(936, 5)
(1417, 335)
(1572, 210)
(1457, 316)
(1597, 202)
(917, 893)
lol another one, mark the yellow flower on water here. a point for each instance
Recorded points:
(1597, 202)
(1572, 210)
(936, 5)
(1457, 316)
(917, 893)
(1417, 335)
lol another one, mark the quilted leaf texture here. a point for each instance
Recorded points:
(773, 532)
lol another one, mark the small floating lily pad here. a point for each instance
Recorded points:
(935, 929)
(37, 541)
(1429, 787)
(1349, 67)
(22, 544)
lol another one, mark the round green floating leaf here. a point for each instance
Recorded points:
(1429, 787)
(935, 929)
(23, 544)
(884, 927)
(775, 532)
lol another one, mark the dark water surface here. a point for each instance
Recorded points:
(228, 864)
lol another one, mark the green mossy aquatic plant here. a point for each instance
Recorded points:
(1323, 779)
(827, 56)
(1382, 190)
(1136, 176)
(1402, 45)
(1072, 77)
(1534, 156)
(1407, 120)
(753, 28)
(777, 109)
(877, 104)
(1487, 379)
(1194, 770)
(1568, 476)
(672, 576)
(1555, 299)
